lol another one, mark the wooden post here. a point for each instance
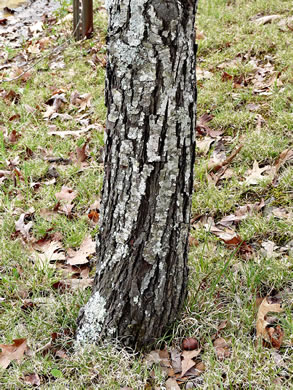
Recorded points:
(82, 19)
(87, 18)
(77, 23)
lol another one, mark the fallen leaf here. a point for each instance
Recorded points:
(234, 63)
(80, 284)
(225, 235)
(285, 156)
(50, 110)
(202, 74)
(164, 354)
(66, 285)
(262, 91)
(61, 354)
(66, 209)
(255, 174)
(278, 359)
(243, 248)
(14, 136)
(4, 173)
(276, 335)
(261, 20)
(54, 104)
(282, 213)
(159, 357)
(176, 361)
(204, 144)
(199, 35)
(171, 384)
(152, 358)
(222, 348)
(76, 272)
(83, 101)
(231, 239)
(81, 154)
(34, 49)
(228, 220)
(65, 133)
(95, 205)
(22, 227)
(241, 213)
(201, 124)
(87, 248)
(50, 251)
(44, 42)
(47, 214)
(32, 379)
(250, 208)
(64, 117)
(226, 76)
(286, 24)
(234, 241)
(222, 325)
(28, 306)
(187, 362)
(10, 96)
(269, 248)
(214, 133)
(57, 65)
(239, 81)
(66, 193)
(36, 27)
(12, 352)
(200, 367)
(252, 107)
(192, 241)
(93, 215)
(272, 335)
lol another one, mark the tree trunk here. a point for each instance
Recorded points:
(142, 246)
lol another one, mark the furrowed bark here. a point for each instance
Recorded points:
(141, 277)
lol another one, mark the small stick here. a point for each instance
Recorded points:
(214, 168)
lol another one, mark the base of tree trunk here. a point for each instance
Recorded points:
(141, 278)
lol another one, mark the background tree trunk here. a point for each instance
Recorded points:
(141, 277)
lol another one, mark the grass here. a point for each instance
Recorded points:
(223, 285)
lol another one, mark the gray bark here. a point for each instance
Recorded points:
(141, 276)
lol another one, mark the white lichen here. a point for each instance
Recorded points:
(93, 321)
(152, 148)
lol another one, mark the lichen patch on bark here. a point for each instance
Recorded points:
(94, 317)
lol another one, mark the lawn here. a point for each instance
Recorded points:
(241, 246)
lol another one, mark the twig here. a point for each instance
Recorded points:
(202, 282)
(215, 167)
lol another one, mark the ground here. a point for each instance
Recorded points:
(241, 247)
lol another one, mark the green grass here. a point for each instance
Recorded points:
(222, 285)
